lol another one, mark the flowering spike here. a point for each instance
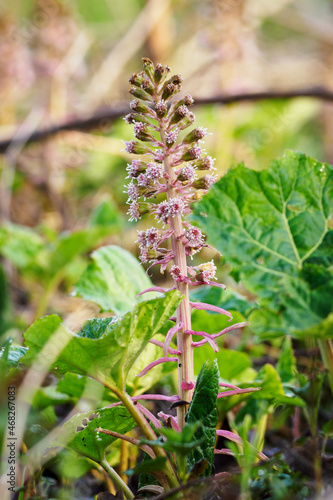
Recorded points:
(170, 166)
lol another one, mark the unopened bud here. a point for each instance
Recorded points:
(139, 107)
(179, 113)
(141, 94)
(136, 148)
(136, 117)
(148, 67)
(142, 133)
(187, 121)
(136, 168)
(195, 135)
(192, 154)
(136, 210)
(161, 109)
(204, 182)
(147, 86)
(168, 91)
(136, 79)
(160, 72)
(186, 174)
(204, 163)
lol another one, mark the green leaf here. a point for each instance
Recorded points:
(113, 280)
(286, 365)
(11, 354)
(49, 395)
(75, 386)
(106, 214)
(148, 466)
(95, 328)
(67, 246)
(270, 382)
(146, 479)
(231, 364)
(273, 226)
(203, 409)
(109, 358)
(20, 245)
(79, 434)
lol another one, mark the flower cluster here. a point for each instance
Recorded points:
(171, 162)
(155, 102)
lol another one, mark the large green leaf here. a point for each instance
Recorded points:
(231, 364)
(20, 245)
(75, 386)
(113, 280)
(203, 409)
(109, 358)
(79, 434)
(274, 227)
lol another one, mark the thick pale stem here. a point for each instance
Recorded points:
(117, 479)
(184, 341)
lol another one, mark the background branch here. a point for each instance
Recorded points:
(104, 118)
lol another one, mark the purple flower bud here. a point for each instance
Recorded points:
(171, 137)
(178, 114)
(169, 90)
(205, 182)
(142, 133)
(153, 235)
(136, 210)
(176, 207)
(191, 154)
(133, 192)
(141, 94)
(154, 171)
(161, 109)
(160, 72)
(136, 117)
(142, 238)
(162, 211)
(148, 67)
(195, 135)
(136, 79)
(187, 174)
(171, 87)
(139, 107)
(175, 272)
(188, 100)
(143, 180)
(136, 168)
(187, 121)
(147, 86)
(204, 163)
(136, 148)
(194, 236)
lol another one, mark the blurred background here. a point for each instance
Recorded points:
(63, 60)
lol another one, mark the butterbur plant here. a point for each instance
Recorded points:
(171, 164)
(169, 173)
